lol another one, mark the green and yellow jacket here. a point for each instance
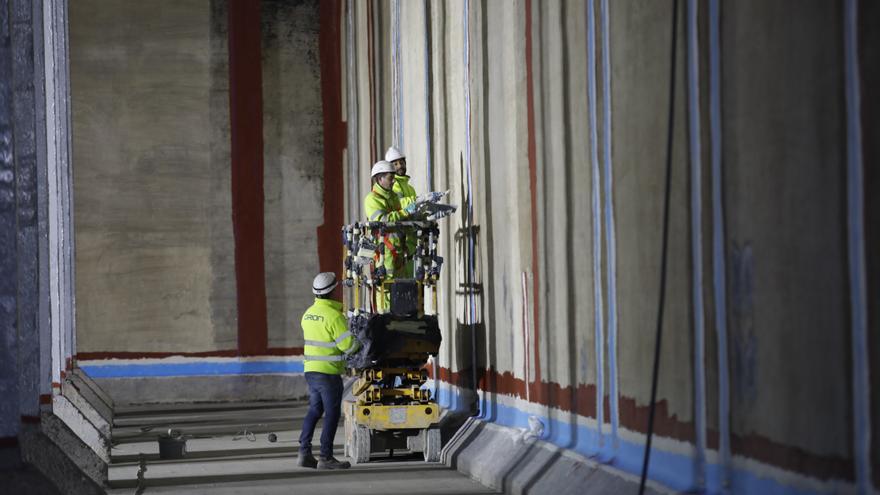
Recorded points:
(327, 339)
(382, 205)
(405, 192)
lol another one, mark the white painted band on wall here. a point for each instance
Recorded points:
(398, 71)
(396, 110)
(429, 176)
(352, 116)
(718, 260)
(693, 67)
(858, 285)
(597, 223)
(610, 232)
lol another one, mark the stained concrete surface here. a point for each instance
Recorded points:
(293, 163)
(506, 459)
(783, 193)
(155, 250)
(229, 452)
(147, 184)
(25, 480)
(192, 389)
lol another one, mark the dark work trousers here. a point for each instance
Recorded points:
(325, 397)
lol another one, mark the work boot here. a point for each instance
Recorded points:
(307, 460)
(332, 463)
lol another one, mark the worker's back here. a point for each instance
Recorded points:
(326, 337)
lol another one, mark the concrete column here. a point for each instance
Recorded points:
(9, 409)
(25, 79)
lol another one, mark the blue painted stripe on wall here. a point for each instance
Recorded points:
(599, 339)
(610, 232)
(693, 65)
(861, 383)
(191, 369)
(673, 470)
(718, 260)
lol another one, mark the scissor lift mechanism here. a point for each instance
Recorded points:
(391, 408)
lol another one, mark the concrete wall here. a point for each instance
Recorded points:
(155, 247)
(533, 162)
(785, 192)
(293, 161)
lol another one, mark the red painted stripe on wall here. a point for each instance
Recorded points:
(45, 399)
(246, 131)
(30, 420)
(581, 400)
(533, 196)
(329, 241)
(8, 442)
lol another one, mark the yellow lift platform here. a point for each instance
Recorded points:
(395, 320)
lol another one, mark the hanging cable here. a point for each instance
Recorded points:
(662, 297)
(469, 227)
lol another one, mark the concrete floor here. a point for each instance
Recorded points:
(228, 451)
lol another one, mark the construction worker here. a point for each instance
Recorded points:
(405, 191)
(407, 195)
(383, 205)
(327, 343)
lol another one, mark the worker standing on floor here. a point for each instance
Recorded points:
(327, 343)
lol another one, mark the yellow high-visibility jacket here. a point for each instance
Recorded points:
(381, 205)
(327, 339)
(405, 192)
(407, 195)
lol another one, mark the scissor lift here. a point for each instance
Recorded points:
(395, 321)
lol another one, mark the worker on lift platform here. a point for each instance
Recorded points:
(383, 205)
(405, 191)
(327, 343)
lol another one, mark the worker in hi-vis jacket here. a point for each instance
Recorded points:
(327, 343)
(405, 191)
(383, 205)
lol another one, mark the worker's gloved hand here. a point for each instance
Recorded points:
(410, 208)
(431, 197)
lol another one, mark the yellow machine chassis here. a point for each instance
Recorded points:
(393, 417)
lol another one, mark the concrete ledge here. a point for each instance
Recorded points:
(25, 479)
(62, 458)
(509, 460)
(189, 389)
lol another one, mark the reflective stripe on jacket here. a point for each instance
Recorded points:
(383, 206)
(405, 192)
(327, 339)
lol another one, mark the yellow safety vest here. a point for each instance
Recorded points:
(327, 339)
(405, 192)
(384, 206)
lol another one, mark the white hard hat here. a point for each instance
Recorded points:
(381, 167)
(324, 283)
(393, 154)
